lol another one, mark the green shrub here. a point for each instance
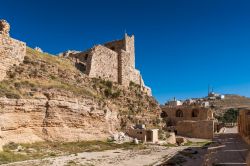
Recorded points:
(52, 77)
(26, 60)
(12, 95)
(108, 92)
(131, 83)
(109, 84)
(116, 94)
(7, 157)
(230, 116)
(10, 146)
(52, 154)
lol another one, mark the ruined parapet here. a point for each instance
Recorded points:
(4, 28)
(68, 53)
(12, 51)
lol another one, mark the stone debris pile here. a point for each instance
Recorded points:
(120, 137)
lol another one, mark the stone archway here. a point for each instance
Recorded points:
(179, 113)
(195, 113)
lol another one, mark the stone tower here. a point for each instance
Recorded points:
(126, 60)
(130, 47)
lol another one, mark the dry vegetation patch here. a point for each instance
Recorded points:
(13, 152)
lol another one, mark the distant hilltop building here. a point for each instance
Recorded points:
(114, 61)
(189, 102)
(213, 96)
(174, 103)
(201, 102)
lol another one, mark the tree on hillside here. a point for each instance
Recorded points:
(230, 116)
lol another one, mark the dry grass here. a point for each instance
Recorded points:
(52, 59)
(13, 88)
(41, 150)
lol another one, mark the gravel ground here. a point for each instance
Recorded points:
(150, 156)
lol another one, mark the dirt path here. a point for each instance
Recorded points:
(150, 156)
(230, 150)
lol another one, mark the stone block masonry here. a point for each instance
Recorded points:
(12, 51)
(197, 129)
(99, 66)
(244, 124)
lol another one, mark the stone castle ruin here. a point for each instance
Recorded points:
(114, 61)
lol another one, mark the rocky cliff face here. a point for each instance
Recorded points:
(47, 98)
(59, 118)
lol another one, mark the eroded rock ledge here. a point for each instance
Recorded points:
(55, 119)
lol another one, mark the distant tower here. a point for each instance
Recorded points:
(208, 90)
(130, 48)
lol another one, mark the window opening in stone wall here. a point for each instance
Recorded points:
(164, 115)
(86, 57)
(179, 113)
(195, 113)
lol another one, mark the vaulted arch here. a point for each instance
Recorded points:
(179, 113)
(195, 113)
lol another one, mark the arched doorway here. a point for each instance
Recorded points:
(179, 113)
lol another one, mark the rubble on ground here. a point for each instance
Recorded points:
(121, 137)
(181, 141)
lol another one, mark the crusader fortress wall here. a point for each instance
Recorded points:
(114, 61)
(12, 51)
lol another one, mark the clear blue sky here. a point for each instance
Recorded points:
(181, 45)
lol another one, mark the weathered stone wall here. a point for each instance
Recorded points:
(126, 69)
(147, 90)
(12, 52)
(196, 129)
(116, 45)
(136, 77)
(82, 60)
(104, 64)
(244, 124)
(188, 113)
(140, 134)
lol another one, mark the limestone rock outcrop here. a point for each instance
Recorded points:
(56, 119)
